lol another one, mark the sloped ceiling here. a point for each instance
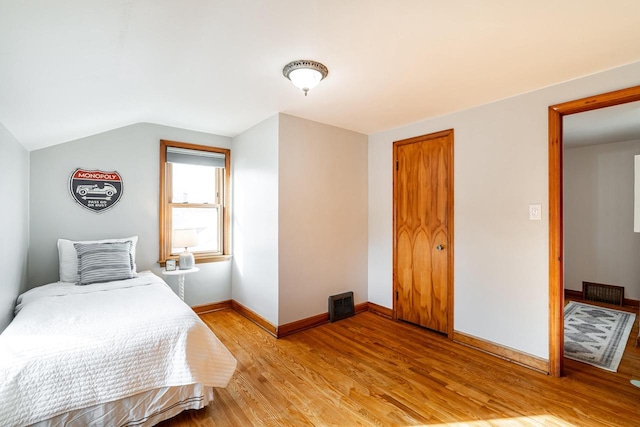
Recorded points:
(72, 68)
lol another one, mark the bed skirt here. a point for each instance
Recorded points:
(141, 410)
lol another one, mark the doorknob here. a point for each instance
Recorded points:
(440, 247)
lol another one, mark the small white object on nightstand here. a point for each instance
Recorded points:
(180, 274)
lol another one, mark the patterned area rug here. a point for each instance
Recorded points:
(596, 335)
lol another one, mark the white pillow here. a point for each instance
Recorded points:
(68, 257)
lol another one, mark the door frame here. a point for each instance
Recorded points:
(450, 222)
(556, 230)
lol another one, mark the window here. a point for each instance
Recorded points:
(194, 196)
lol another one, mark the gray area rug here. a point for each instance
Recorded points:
(596, 335)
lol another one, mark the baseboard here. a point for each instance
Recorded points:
(313, 321)
(515, 356)
(362, 307)
(276, 331)
(207, 308)
(254, 317)
(569, 293)
(381, 311)
(293, 327)
(512, 355)
(302, 324)
(627, 302)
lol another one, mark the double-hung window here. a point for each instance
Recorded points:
(194, 200)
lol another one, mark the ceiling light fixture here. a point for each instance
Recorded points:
(305, 74)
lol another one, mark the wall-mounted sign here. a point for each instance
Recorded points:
(95, 190)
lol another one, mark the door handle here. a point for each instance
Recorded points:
(440, 247)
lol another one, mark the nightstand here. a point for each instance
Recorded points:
(180, 274)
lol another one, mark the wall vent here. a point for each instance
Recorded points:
(598, 292)
(341, 306)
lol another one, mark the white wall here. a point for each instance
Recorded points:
(133, 151)
(500, 166)
(255, 219)
(14, 222)
(322, 216)
(600, 244)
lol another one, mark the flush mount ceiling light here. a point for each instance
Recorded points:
(305, 74)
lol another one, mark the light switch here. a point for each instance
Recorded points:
(535, 211)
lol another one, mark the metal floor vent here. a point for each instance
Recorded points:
(598, 292)
(341, 306)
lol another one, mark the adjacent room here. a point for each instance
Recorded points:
(307, 212)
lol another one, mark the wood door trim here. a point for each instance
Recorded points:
(450, 226)
(514, 356)
(556, 255)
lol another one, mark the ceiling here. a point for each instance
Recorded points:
(72, 68)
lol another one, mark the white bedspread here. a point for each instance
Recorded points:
(74, 346)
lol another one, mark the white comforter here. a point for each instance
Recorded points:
(74, 346)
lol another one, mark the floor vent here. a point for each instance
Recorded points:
(598, 292)
(341, 306)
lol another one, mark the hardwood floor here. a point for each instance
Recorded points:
(370, 371)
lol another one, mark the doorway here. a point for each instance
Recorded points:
(556, 239)
(423, 231)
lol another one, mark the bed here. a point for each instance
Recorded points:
(111, 352)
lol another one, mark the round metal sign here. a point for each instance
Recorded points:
(95, 190)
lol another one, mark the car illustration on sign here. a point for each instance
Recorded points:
(96, 190)
(108, 190)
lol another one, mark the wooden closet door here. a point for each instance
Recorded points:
(423, 203)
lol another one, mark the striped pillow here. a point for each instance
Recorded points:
(104, 262)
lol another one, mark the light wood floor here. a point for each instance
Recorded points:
(370, 371)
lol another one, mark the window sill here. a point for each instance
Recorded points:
(202, 259)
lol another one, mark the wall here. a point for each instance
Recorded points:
(322, 216)
(14, 222)
(500, 166)
(133, 151)
(600, 244)
(255, 219)
(636, 193)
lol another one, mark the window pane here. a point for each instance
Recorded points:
(204, 220)
(193, 184)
